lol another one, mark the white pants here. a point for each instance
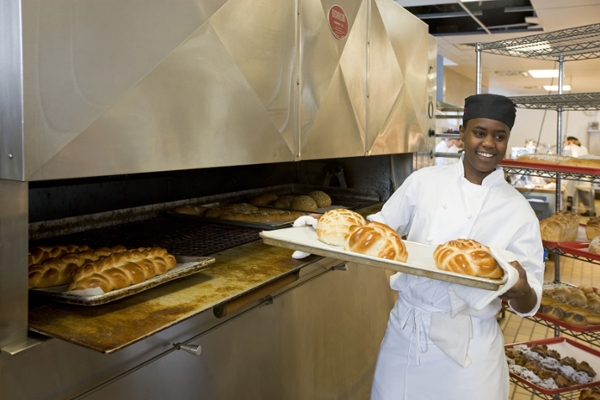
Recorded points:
(411, 367)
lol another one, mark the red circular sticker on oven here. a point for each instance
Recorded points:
(338, 22)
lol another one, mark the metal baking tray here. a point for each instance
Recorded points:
(420, 257)
(257, 225)
(186, 266)
(567, 348)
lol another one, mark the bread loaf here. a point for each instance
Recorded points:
(592, 228)
(321, 198)
(303, 203)
(41, 253)
(562, 226)
(59, 270)
(334, 227)
(191, 210)
(263, 216)
(583, 161)
(594, 246)
(468, 257)
(377, 240)
(121, 270)
(284, 201)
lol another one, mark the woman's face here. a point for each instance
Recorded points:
(485, 141)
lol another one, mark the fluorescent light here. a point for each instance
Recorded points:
(543, 73)
(554, 88)
(449, 62)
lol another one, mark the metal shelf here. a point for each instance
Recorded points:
(561, 252)
(572, 395)
(551, 174)
(580, 43)
(567, 102)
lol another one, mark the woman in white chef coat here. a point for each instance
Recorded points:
(426, 353)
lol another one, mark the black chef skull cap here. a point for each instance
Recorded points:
(491, 106)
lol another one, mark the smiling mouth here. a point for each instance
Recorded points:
(487, 155)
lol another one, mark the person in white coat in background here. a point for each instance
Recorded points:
(584, 190)
(447, 145)
(470, 199)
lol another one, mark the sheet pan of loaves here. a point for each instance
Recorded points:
(345, 235)
(563, 230)
(78, 274)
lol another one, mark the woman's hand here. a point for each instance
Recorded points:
(521, 296)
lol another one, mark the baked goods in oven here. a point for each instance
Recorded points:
(121, 270)
(321, 198)
(263, 216)
(335, 226)
(191, 210)
(377, 240)
(284, 201)
(41, 253)
(594, 246)
(592, 228)
(263, 199)
(59, 270)
(562, 226)
(468, 257)
(304, 203)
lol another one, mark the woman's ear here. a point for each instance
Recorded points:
(461, 132)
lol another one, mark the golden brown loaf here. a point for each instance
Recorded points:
(191, 210)
(583, 161)
(592, 228)
(321, 198)
(595, 245)
(562, 226)
(59, 270)
(303, 203)
(121, 270)
(284, 201)
(334, 227)
(41, 253)
(468, 257)
(263, 216)
(377, 240)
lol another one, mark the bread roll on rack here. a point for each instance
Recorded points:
(592, 228)
(121, 270)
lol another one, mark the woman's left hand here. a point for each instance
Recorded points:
(521, 296)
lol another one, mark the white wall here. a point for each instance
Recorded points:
(529, 123)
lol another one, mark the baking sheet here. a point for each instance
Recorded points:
(567, 348)
(186, 265)
(256, 225)
(420, 257)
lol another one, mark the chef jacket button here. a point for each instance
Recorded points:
(429, 240)
(444, 205)
(469, 216)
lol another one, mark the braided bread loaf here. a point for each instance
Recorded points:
(377, 240)
(41, 253)
(334, 227)
(120, 270)
(468, 257)
(58, 270)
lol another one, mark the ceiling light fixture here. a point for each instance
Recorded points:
(543, 73)
(554, 88)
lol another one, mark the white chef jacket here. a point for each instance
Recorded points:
(442, 147)
(435, 205)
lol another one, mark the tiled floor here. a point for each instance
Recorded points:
(516, 329)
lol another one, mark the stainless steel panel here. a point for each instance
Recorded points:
(398, 79)
(13, 261)
(332, 81)
(152, 86)
(11, 97)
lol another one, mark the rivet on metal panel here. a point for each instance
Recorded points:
(10, 156)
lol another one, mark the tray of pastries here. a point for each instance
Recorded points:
(589, 164)
(553, 366)
(78, 274)
(346, 235)
(575, 308)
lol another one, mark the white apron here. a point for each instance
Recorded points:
(435, 205)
